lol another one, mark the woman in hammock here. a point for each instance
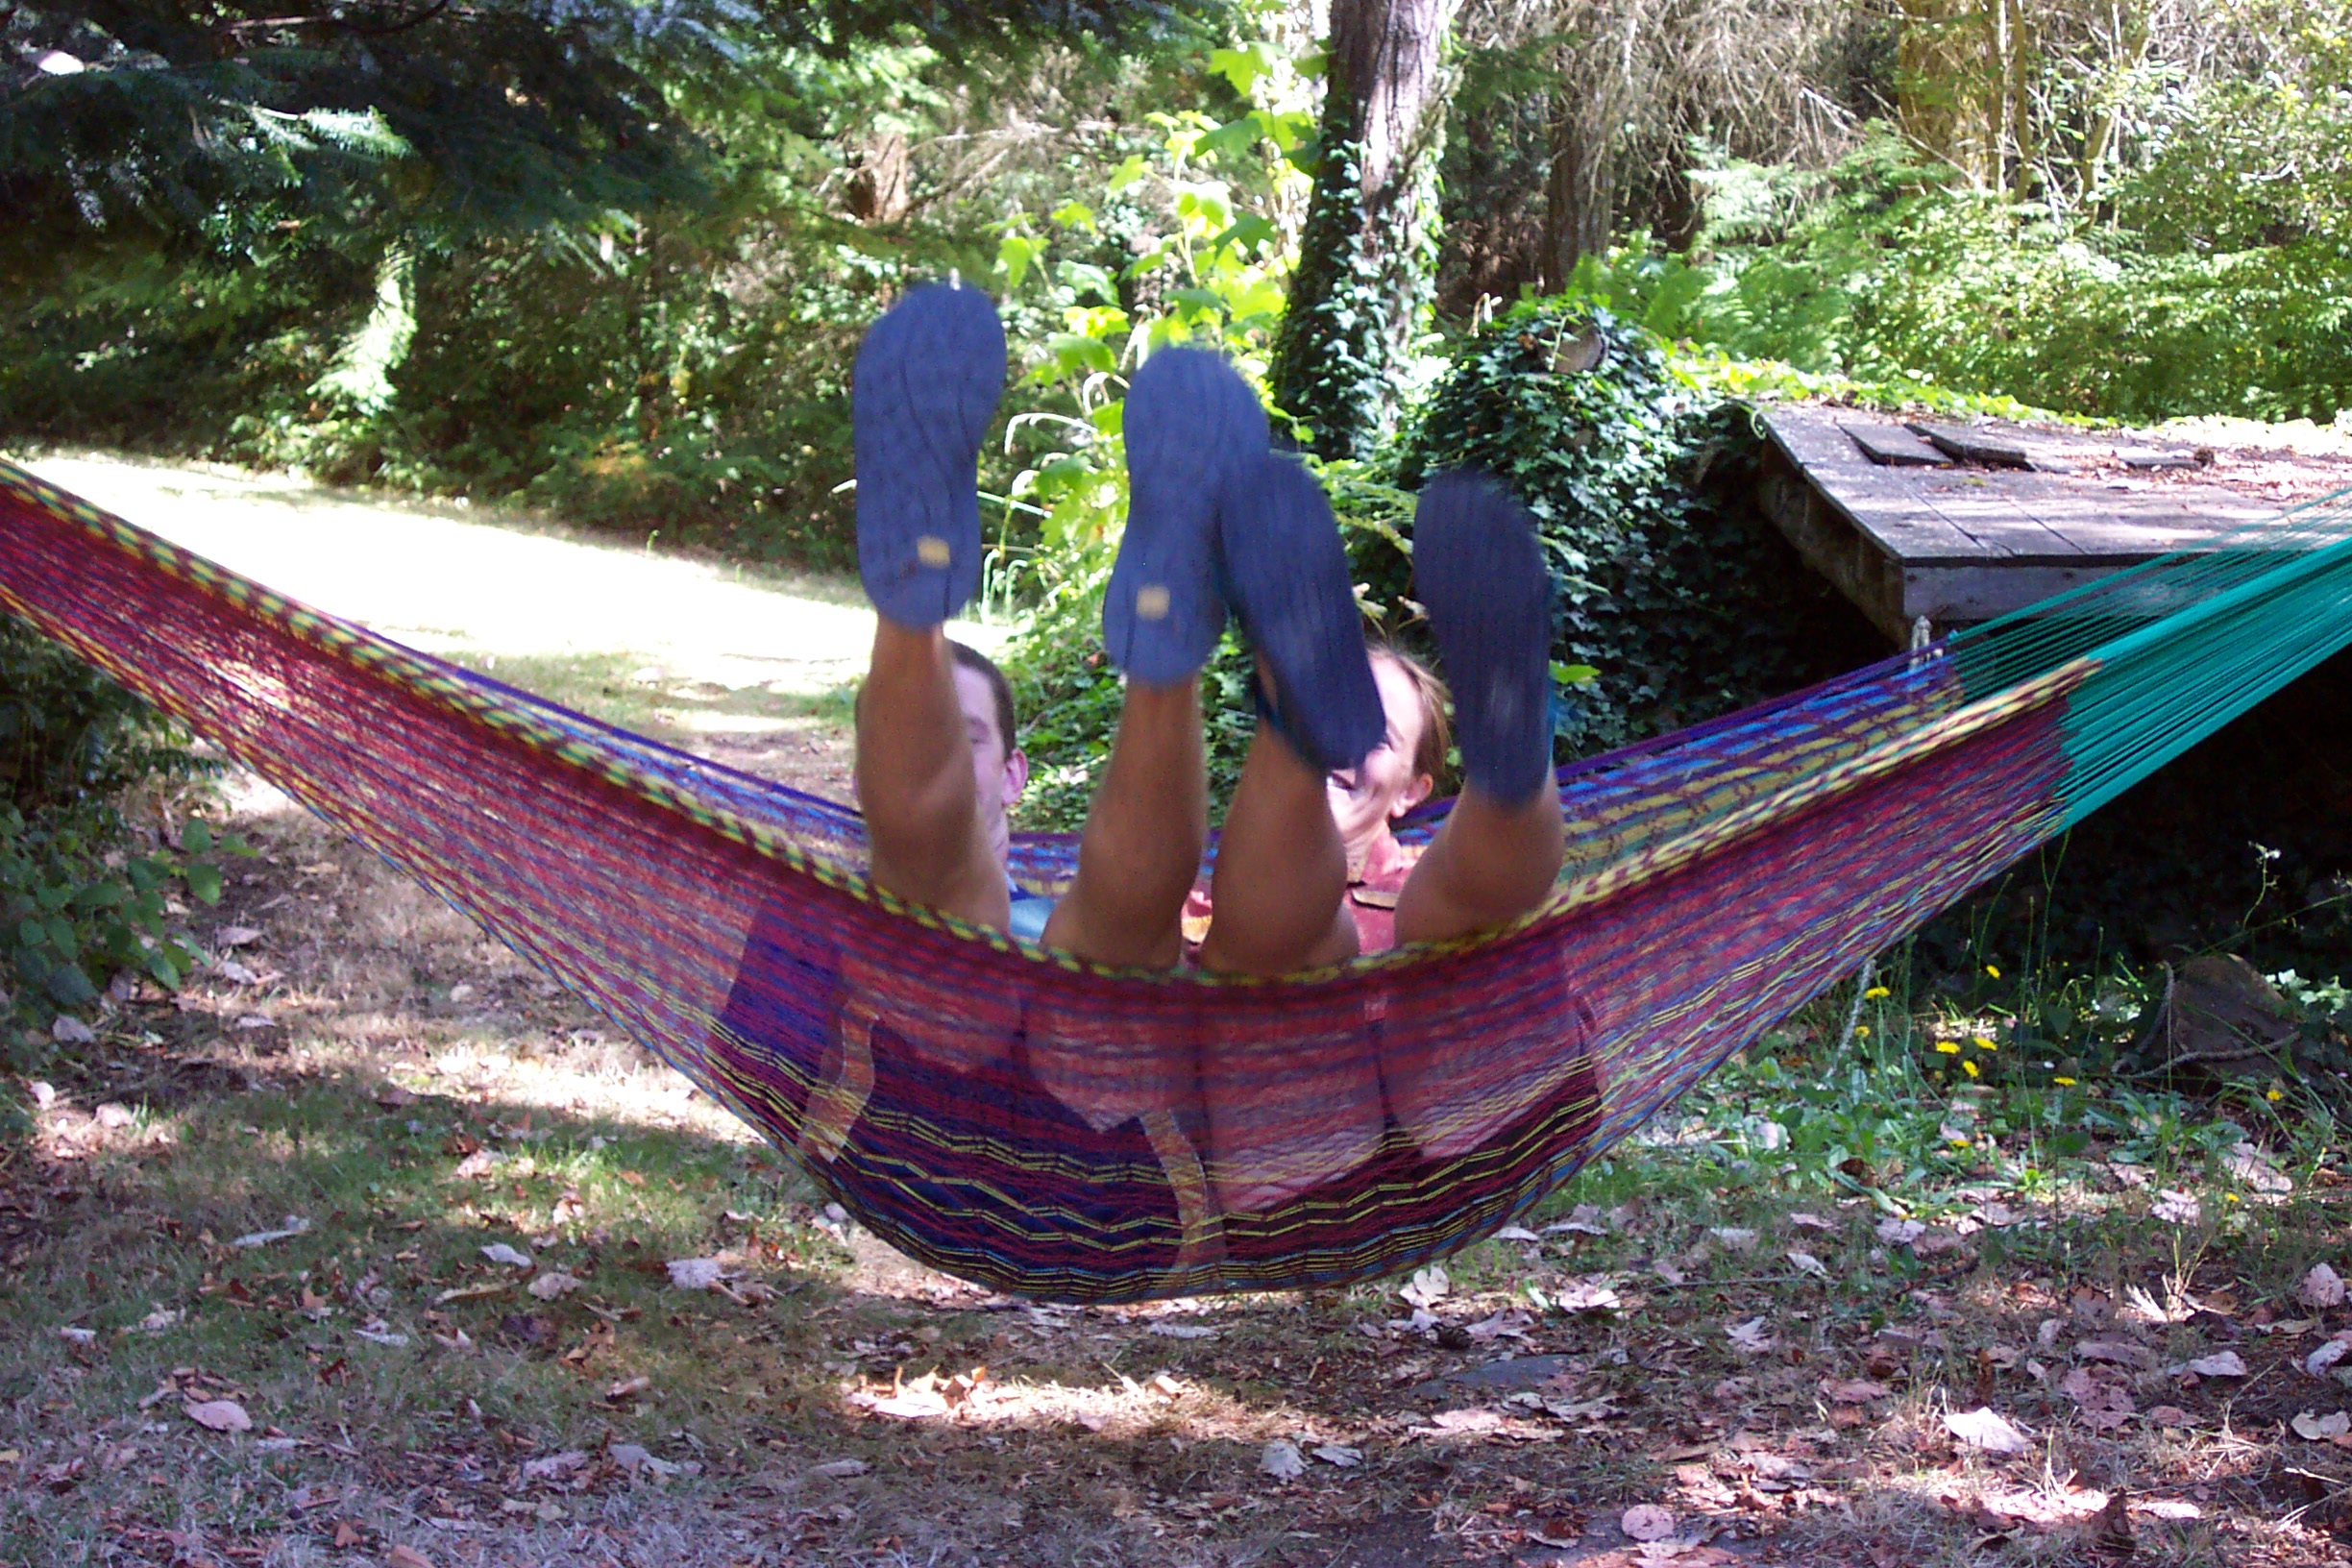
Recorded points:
(1216, 523)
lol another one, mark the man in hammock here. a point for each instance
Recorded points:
(1216, 523)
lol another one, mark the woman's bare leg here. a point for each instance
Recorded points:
(915, 780)
(1281, 871)
(1145, 832)
(1489, 864)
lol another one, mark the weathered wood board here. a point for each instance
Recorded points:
(1867, 505)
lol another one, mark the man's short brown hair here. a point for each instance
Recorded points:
(972, 658)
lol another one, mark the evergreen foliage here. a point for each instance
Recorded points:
(1677, 600)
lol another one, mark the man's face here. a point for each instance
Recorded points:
(999, 773)
(1363, 798)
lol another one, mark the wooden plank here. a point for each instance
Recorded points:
(1880, 503)
(2091, 517)
(1986, 506)
(1891, 446)
(1959, 546)
(1956, 595)
(1972, 446)
(1828, 541)
(2147, 458)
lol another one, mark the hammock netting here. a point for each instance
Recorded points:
(1076, 1133)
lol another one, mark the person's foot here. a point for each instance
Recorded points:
(925, 387)
(1480, 573)
(1287, 576)
(1190, 420)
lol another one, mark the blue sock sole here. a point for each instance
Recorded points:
(1480, 573)
(1190, 419)
(1287, 576)
(927, 380)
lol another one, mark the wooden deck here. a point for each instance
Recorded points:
(1958, 522)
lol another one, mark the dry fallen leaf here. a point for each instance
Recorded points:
(1181, 1331)
(1593, 1295)
(1281, 1459)
(1895, 1232)
(1752, 1337)
(295, 1225)
(499, 1252)
(2327, 1354)
(407, 1557)
(1647, 1522)
(1427, 1287)
(2323, 1287)
(347, 1534)
(2321, 1427)
(219, 1414)
(1982, 1428)
(2223, 1363)
(552, 1285)
(1806, 1264)
(236, 936)
(2115, 1351)
(695, 1273)
(1857, 1391)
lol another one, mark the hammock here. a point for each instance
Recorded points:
(1076, 1133)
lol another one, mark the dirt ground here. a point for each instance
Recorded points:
(363, 1251)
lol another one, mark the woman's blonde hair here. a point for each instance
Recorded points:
(1436, 727)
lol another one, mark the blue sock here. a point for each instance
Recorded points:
(1190, 419)
(925, 387)
(1479, 571)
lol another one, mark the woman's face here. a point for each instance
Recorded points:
(1362, 799)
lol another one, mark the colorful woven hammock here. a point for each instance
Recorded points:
(1082, 1134)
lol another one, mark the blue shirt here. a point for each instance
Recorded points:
(1030, 912)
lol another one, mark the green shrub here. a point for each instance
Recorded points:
(1889, 274)
(79, 904)
(1676, 596)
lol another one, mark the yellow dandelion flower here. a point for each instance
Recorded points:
(1983, 1044)
(2229, 1197)
(2273, 1097)
(1993, 971)
(1876, 992)
(1946, 1047)
(1969, 1068)
(2066, 1083)
(1959, 1142)
(1861, 1031)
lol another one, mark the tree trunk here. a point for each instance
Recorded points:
(1367, 259)
(1580, 192)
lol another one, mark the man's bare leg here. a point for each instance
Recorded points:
(1489, 864)
(1281, 871)
(1141, 846)
(915, 780)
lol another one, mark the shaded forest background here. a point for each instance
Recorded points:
(613, 259)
